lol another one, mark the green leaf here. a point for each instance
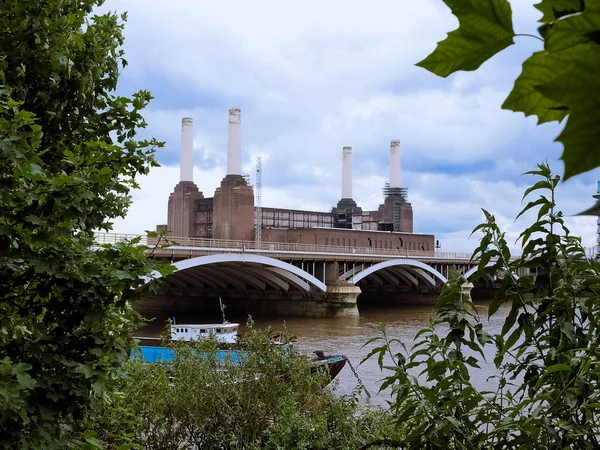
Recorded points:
(538, 69)
(555, 9)
(539, 201)
(485, 28)
(512, 339)
(559, 368)
(582, 28)
(542, 184)
(495, 305)
(577, 90)
(123, 275)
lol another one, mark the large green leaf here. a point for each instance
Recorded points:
(578, 90)
(576, 29)
(555, 9)
(539, 68)
(485, 28)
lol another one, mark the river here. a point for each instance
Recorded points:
(348, 335)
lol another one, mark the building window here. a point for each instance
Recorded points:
(326, 241)
(355, 242)
(338, 241)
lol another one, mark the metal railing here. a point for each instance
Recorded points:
(185, 245)
(276, 247)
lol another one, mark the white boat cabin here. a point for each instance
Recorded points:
(224, 332)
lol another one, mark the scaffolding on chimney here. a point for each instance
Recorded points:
(401, 193)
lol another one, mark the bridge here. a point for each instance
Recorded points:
(291, 278)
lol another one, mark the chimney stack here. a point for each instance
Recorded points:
(395, 164)
(186, 163)
(234, 143)
(347, 172)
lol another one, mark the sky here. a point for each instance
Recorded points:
(312, 77)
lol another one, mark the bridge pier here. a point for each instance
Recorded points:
(340, 299)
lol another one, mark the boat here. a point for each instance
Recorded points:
(230, 348)
(333, 363)
(225, 333)
(155, 353)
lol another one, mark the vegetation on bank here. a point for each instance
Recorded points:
(545, 393)
(68, 159)
(271, 398)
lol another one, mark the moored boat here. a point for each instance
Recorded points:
(152, 351)
(226, 334)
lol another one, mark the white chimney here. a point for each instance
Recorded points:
(395, 164)
(186, 163)
(347, 172)
(234, 143)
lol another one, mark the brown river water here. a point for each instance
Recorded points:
(348, 335)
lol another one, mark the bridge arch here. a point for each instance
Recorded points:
(400, 262)
(276, 269)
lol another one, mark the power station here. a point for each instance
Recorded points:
(232, 213)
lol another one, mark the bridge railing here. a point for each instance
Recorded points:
(268, 247)
(274, 247)
(117, 238)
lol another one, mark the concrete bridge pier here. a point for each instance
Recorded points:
(340, 297)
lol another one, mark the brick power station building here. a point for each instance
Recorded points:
(231, 213)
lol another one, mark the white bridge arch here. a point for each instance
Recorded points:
(422, 270)
(254, 269)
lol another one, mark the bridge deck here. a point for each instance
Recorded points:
(184, 247)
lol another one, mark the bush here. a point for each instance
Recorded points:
(270, 398)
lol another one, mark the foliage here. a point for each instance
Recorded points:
(555, 82)
(68, 160)
(270, 398)
(545, 393)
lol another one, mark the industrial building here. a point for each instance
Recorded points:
(231, 213)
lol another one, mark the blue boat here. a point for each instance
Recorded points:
(158, 354)
(226, 334)
(154, 354)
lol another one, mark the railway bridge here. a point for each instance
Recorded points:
(274, 278)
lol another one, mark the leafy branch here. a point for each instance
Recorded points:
(555, 82)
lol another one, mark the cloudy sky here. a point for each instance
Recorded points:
(312, 77)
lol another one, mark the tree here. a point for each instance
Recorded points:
(559, 81)
(68, 160)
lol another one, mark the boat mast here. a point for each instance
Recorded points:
(223, 310)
